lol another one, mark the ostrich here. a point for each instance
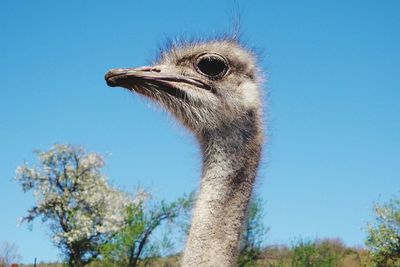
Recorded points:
(213, 89)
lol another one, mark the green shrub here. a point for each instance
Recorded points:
(308, 253)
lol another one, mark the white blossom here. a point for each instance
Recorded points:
(73, 197)
(384, 234)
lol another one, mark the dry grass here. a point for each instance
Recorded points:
(281, 256)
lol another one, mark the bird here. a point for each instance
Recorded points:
(214, 88)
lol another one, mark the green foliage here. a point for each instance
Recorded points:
(275, 256)
(132, 245)
(304, 253)
(315, 253)
(324, 253)
(253, 234)
(384, 234)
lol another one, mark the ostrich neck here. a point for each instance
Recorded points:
(230, 161)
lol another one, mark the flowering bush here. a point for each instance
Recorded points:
(384, 234)
(74, 198)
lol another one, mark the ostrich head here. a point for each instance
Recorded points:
(213, 88)
(207, 86)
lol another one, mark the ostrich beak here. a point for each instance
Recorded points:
(132, 78)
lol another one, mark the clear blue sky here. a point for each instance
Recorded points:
(333, 71)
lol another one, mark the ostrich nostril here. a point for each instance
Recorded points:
(150, 68)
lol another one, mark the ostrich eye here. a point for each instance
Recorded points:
(212, 65)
